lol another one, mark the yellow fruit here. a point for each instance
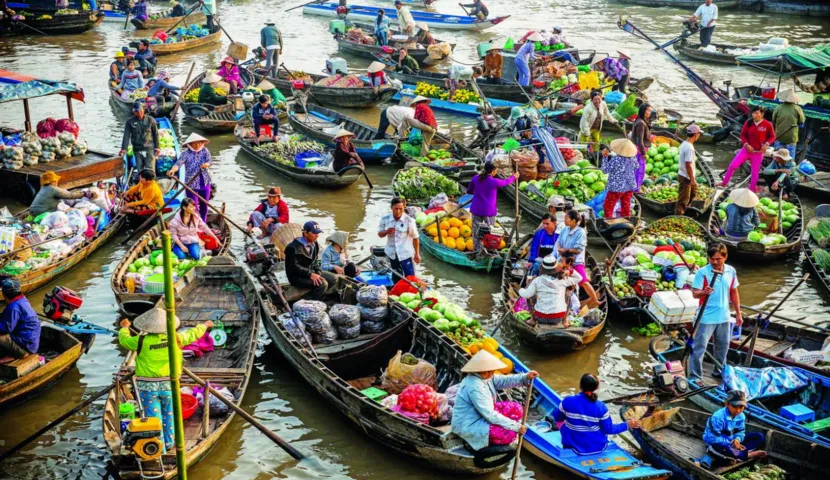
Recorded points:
(492, 342)
(445, 225)
(453, 232)
(470, 244)
(454, 222)
(490, 348)
(502, 245)
(460, 245)
(432, 231)
(474, 348)
(498, 355)
(509, 368)
(435, 239)
(449, 242)
(466, 231)
(444, 233)
(468, 222)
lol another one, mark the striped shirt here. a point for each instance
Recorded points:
(586, 424)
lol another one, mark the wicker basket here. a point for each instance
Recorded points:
(285, 235)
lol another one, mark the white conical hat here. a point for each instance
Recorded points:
(375, 67)
(211, 78)
(483, 361)
(535, 37)
(154, 321)
(788, 95)
(422, 26)
(744, 197)
(624, 147)
(343, 133)
(195, 137)
(265, 85)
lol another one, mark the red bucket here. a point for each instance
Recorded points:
(189, 405)
(768, 92)
(210, 242)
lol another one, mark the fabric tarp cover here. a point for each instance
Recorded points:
(801, 58)
(15, 86)
(763, 382)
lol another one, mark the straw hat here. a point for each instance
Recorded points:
(548, 265)
(265, 85)
(339, 237)
(535, 37)
(419, 98)
(48, 178)
(598, 57)
(483, 361)
(343, 133)
(783, 154)
(744, 197)
(788, 96)
(375, 67)
(275, 192)
(211, 78)
(494, 47)
(624, 53)
(154, 321)
(195, 137)
(624, 147)
(119, 54)
(423, 26)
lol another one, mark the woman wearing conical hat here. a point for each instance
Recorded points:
(196, 161)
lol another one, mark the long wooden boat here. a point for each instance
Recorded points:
(171, 48)
(434, 20)
(820, 276)
(676, 440)
(548, 338)
(502, 89)
(774, 339)
(132, 304)
(816, 188)
(693, 51)
(164, 21)
(126, 106)
(678, 3)
(196, 109)
(699, 204)
(320, 124)
(70, 24)
(206, 297)
(751, 251)
(352, 97)
(25, 378)
(765, 411)
(465, 259)
(323, 178)
(421, 55)
(342, 370)
(469, 161)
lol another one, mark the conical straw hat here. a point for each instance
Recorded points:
(788, 96)
(154, 321)
(483, 361)
(375, 67)
(195, 137)
(744, 197)
(624, 147)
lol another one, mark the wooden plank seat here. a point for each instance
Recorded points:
(14, 368)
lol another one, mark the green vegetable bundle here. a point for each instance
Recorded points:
(822, 259)
(421, 184)
(284, 151)
(820, 231)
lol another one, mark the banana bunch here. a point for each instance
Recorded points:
(192, 96)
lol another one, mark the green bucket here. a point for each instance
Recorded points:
(126, 411)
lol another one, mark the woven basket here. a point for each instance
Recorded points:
(285, 235)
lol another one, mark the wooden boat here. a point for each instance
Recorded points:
(132, 304)
(678, 3)
(353, 97)
(776, 338)
(434, 20)
(466, 259)
(548, 338)
(765, 411)
(751, 251)
(503, 90)
(323, 178)
(469, 161)
(811, 188)
(195, 109)
(342, 370)
(164, 21)
(821, 276)
(126, 106)
(501, 107)
(544, 440)
(206, 297)
(693, 51)
(701, 205)
(674, 439)
(70, 24)
(321, 124)
(170, 48)
(25, 378)
(421, 55)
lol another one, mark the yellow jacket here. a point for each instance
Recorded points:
(150, 194)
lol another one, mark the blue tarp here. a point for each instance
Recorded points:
(33, 89)
(763, 382)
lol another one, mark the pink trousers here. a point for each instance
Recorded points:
(743, 155)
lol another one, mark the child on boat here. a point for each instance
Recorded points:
(726, 436)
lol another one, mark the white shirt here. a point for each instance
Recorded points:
(399, 246)
(397, 114)
(550, 292)
(687, 155)
(706, 13)
(405, 19)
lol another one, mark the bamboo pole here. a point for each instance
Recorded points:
(174, 355)
(524, 423)
(182, 93)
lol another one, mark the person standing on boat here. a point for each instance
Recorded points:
(403, 244)
(741, 215)
(188, 232)
(625, 61)
(621, 169)
(402, 119)
(152, 364)
(270, 38)
(787, 118)
(725, 435)
(406, 63)
(142, 132)
(479, 10)
(714, 320)
(196, 161)
(209, 9)
(336, 256)
(573, 240)
(405, 20)
(474, 411)
(263, 113)
(593, 115)
(345, 153)
(641, 136)
(549, 289)
(139, 10)
(270, 214)
(423, 37)
(49, 195)
(117, 68)
(493, 63)
(302, 266)
(757, 135)
(525, 56)
(686, 171)
(543, 242)
(144, 195)
(19, 325)
(382, 28)
(425, 115)
(586, 420)
(178, 9)
(781, 173)
(484, 188)
(707, 14)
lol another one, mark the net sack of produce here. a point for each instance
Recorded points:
(405, 369)
(372, 296)
(439, 50)
(543, 169)
(528, 162)
(500, 435)
(421, 399)
(373, 314)
(215, 406)
(68, 126)
(46, 128)
(438, 201)
(372, 327)
(342, 315)
(348, 332)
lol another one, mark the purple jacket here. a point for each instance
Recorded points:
(484, 194)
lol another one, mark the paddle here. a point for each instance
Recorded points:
(31, 28)
(760, 325)
(475, 22)
(780, 208)
(126, 19)
(147, 222)
(803, 153)
(182, 94)
(303, 5)
(773, 315)
(362, 171)
(813, 179)
(528, 397)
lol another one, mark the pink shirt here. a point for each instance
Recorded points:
(230, 75)
(187, 234)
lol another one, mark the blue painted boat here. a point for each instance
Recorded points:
(434, 20)
(544, 441)
(321, 124)
(815, 396)
(466, 109)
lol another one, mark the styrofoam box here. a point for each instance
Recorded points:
(671, 308)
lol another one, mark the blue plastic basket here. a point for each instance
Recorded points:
(308, 159)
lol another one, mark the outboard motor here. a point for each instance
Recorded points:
(61, 304)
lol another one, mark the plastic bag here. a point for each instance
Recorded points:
(216, 406)
(313, 314)
(373, 314)
(55, 220)
(588, 80)
(399, 375)
(372, 327)
(500, 435)
(627, 108)
(296, 329)
(510, 145)
(348, 332)
(46, 128)
(509, 44)
(373, 296)
(807, 167)
(344, 315)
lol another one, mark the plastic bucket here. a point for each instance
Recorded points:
(189, 405)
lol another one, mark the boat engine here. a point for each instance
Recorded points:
(61, 303)
(667, 380)
(143, 438)
(260, 258)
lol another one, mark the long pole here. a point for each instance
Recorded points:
(174, 355)
(516, 202)
(220, 213)
(773, 315)
(303, 5)
(760, 325)
(185, 16)
(524, 422)
(182, 94)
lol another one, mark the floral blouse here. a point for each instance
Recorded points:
(620, 172)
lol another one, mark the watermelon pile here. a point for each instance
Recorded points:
(769, 209)
(581, 182)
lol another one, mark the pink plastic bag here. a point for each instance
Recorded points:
(521, 305)
(90, 230)
(201, 346)
(500, 435)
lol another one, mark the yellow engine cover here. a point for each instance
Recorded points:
(148, 448)
(146, 424)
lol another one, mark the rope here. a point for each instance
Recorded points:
(819, 87)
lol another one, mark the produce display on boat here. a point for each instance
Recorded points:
(461, 95)
(181, 34)
(766, 232)
(167, 155)
(661, 179)
(288, 149)
(54, 140)
(193, 95)
(581, 182)
(418, 185)
(146, 274)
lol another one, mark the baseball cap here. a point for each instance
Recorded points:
(693, 129)
(736, 398)
(556, 201)
(312, 227)
(138, 106)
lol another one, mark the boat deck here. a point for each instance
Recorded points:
(688, 446)
(316, 122)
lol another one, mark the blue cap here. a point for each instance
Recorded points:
(138, 106)
(312, 227)
(398, 2)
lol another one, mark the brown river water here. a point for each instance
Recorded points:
(278, 396)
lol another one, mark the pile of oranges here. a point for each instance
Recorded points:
(491, 345)
(455, 233)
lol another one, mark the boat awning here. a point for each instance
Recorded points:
(810, 111)
(801, 59)
(16, 86)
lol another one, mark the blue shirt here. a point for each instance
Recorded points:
(258, 111)
(158, 86)
(721, 428)
(541, 239)
(717, 308)
(587, 424)
(474, 411)
(526, 53)
(20, 322)
(573, 239)
(740, 221)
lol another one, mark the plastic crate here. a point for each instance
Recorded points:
(372, 278)
(798, 413)
(153, 284)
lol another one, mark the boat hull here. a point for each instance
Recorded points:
(446, 22)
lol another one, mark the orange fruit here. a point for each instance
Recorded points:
(435, 239)
(432, 231)
(466, 231)
(502, 245)
(468, 222)
(460, 245)
(492, 342)
(470, 244)
(454, 222)
(474, 348)
(453, 232)
(445, 225)
(509, 368)
(490, 348)
(449, 242)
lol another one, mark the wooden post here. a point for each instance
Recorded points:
(182, 93)
(28, 123)
(206, 414)
(524, 422)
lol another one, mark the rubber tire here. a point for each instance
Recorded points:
(617, 231)
(494, 456)
(659, 344)
(758, 7)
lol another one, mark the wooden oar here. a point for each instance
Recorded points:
(751, 352)
(362, 171)
(31, 28)
(218, 212)
(773, 315)
(813, 179)
(147, 222)
(181, 93)
(242, 413)
(528, 396)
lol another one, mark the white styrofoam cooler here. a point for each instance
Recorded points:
(672, 308)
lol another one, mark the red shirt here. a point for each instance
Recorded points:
(757, 135)
(282, 211)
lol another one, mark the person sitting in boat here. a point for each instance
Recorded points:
(302, 266)
(146, 58)
(336, 256)
(19, 325)
(50, 195)
(573, 239)
(781, 173)
(160, 89)
(474, 412)
(207, 92)
(493, 63)
(139, 10)
(479, 10)
(152, 363)
(382, 28)
(543, 242)
(178, 10)
(725, 435)
(145, 195)
(557, 207)
(117, 68)
(345, 154)
(484, 188)
(741, 216)
(405, 20)
(229, 73)
(406, 63)
(551, 305)
(587, 421)
(263, 113)
(558, 37)
(196, 158)
(188, 232)
(131, 79)
(424, 37)
(270, 214)
(377, 75)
